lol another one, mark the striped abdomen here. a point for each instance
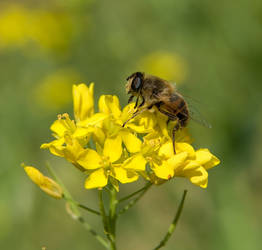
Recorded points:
(176, 108)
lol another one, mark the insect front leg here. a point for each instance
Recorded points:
(130, 99)
(137, 99)
(142, 103)
(137, 112)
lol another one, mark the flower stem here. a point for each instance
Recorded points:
(106, 221)
(87, 208)
(174, 222)
(94, 233)
(112, 217)
(73, 210)
(137, 192)
(134, 201)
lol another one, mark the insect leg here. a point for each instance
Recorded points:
(130, 99)
(176, 127)
(137, 112)
(137, 99)
(142, 103)
(133, 116)
(171, 117)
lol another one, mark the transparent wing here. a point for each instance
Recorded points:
(196, 116)
(194, 112)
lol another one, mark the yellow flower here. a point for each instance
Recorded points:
(185, 163)
(108, 162)
(19, 26)
(165, 65)
(48, 185)
(83, 98)
(71, 135)
(48, 93)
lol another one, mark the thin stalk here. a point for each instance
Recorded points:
(71, 200)
(74, 212)
(112, 213)
(135, 193)
(93, 232)
(133, 202)
(105, 218)
(88, 209)
(172, 227)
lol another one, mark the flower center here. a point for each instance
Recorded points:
(105, 161)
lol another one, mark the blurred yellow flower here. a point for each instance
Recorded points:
(166, 65)
(48, 185)
(14, 26)
(97, 144)
(48, 93)
(21, 26)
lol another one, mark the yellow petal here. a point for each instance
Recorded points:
(198, 177)
(83, 101)
(167, 149)
(164, 171)
(162, 123)
(99, 136)
(89, 159)
(132, 143)
(124, 175)
(185, 147)
(113, 148)
(96, 179)
(56, 147)
(169, 168)
(206, 159)
(143, 123)
(62, 125)
(57, 150)
(136, 162)
(82, 132)
(191, 165)
(93, 120)
(109, 104)
(48, 185)
(178, 160)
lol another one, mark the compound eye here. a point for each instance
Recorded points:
(136, 84)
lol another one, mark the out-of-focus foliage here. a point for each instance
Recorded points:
(216, 50)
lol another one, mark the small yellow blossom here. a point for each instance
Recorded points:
(20, 26)
(48, 185)
(48, 92)
(106, 163)
(165, 65)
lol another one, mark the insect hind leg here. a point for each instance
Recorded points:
(176, 127)
(171, 117)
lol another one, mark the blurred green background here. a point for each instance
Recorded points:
(211, 49)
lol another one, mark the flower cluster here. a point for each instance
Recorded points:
(98, 144)
(20, 26)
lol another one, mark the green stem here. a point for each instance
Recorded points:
(105, 220)
(93, 232)
(88, 209)
(74, 208)
(133, 202)
(71, 200)
(137, 192)
(172, 227)
(112, 216)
